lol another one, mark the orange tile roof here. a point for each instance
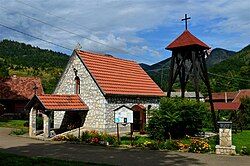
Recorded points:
(241, 94)
(221, 96)
(226, 106)
(186, 39)
(62, 102)
(119, 77)
(19, 88)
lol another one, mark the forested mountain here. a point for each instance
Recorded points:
(218, 55)
(25, 60)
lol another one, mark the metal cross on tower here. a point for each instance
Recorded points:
(186, 19)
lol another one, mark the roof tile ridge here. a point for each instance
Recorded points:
(105, 55)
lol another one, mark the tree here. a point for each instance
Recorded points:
(176, 117)
(4, 72)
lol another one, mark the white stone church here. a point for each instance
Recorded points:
(100, 84)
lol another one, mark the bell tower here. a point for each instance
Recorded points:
(188, 57)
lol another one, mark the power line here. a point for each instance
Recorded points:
(239, 79)
(76, 34)
(34, 37)
(218, 75)
(46, 12)
(69, 45)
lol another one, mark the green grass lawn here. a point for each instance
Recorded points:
(242, 139)
(11, 159)
(17, 124)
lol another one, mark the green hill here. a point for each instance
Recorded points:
(25, 60)
(235, 72)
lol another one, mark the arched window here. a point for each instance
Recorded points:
(77, 84)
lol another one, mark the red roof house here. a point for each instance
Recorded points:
(229, 100)
(242, 93)
(223, 96)
(226, 106)
(15, 92)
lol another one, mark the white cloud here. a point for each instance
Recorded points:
(118, 23)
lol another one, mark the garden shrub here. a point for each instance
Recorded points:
(18, 132)
(199, 146)
(67, 137)
(94, 137)
(153, 145)
(60, 138)
(71, 138)
(244, 151)
(176, 118)
(139, 141)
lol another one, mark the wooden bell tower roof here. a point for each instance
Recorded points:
(186, 39)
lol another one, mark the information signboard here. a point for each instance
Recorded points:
(123, 115)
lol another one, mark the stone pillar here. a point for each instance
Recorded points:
(225, 137)
(32, 123)
(46, 126)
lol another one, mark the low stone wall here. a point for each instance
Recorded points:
(225, 150)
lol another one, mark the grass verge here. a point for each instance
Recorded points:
(16, 160)
(17, 124)
(242, 139)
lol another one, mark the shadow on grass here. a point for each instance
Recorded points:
(101, 155)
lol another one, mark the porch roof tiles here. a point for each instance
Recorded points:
(62, 102)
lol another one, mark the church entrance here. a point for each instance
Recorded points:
(139, 118)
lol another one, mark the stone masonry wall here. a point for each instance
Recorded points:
(115, 102)
(89, 92)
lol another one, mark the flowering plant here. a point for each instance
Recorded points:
(199, 146)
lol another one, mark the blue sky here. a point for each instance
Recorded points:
(137, 29)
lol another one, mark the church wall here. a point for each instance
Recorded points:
(115, 102)
(89, 93)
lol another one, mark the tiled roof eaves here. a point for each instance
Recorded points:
(79, 56)
(135, 95)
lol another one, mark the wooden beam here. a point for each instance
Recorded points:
(196, 76)
(209, 91)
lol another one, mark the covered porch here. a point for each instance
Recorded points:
(45, 105)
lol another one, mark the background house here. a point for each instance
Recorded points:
(189, 95)
(15, 92)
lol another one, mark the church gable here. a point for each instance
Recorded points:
(89, 92)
